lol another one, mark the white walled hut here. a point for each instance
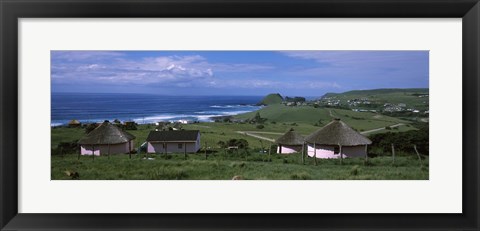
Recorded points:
(106, 139)
(337, 140)
(290, 142)
(170, 141)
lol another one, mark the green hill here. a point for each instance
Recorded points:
(416, 98)
(271, 99)
(321, 116)
(385, 91)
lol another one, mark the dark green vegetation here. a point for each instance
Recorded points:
(403, 141)
(271, 99)
(225, 167)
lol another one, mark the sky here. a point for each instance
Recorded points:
(290, 73)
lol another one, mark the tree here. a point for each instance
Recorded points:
(258, 119)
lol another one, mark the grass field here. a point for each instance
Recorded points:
(251, 164)
(225, 167)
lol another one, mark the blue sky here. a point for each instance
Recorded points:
(291, 73)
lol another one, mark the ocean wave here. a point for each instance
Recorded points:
(232, 106)
(200, 116)
(207, 116)
(55, 124)
(174, 118)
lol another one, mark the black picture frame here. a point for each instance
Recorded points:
(12, 10)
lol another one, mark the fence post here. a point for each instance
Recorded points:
(418, 154)
(366, 153)
(185, 150)
(269, 153)
(341, 154)
(206, 156)
(303, 153)
(393, 154)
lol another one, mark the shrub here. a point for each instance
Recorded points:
(260, 126)
(354, 170)
(65, 147)
(300, 176)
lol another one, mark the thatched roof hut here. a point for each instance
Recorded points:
(74, 123)
(290, 138)
(337, 140)
(290, 142)
(106, 133)
(337, 133)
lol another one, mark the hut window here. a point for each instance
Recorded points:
(336, 150)
(180, 146)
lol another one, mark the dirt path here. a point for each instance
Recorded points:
(200, 126)
(379, 129)
(331, 114)
(272, 133)
(257, 136)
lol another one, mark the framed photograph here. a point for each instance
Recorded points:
(239, 115)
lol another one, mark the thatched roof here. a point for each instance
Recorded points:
(107, 133)
(170, 136)
(290, 138)
(74, 122)
(335, 133)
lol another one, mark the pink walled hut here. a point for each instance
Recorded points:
(173, 141)
(337, 140)
(106, 139)
(290, 142)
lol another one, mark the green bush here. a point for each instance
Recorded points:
(300, 176)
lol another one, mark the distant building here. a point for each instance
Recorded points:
(290, 142)
(173, 141)
(106, 139)
(337, 138)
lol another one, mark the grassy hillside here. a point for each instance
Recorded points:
(249, 163)
(225, 167)
(271, 99)
(412, 97)
(361, 121)
(380, 92)
(282, 113)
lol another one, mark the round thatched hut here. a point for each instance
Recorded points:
(106, 139)
(290, 142)
(337, 140)
(74, 124)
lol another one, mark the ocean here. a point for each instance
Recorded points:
(145, 108)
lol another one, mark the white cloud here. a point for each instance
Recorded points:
(271, 84)
(116, 68)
